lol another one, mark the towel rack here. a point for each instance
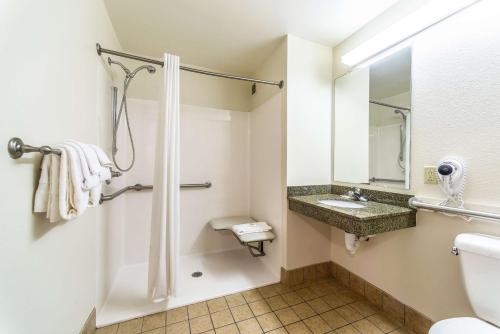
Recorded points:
(17, 148)
(417, 204)
(139, 187)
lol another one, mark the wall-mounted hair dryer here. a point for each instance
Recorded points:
(451, 175)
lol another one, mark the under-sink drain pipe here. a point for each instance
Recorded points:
(352, 241)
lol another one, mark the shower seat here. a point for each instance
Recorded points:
(254, 241)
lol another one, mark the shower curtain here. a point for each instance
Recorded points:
(165, 218)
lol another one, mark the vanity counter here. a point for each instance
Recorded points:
(372, 219)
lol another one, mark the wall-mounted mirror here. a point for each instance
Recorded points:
(372, 123)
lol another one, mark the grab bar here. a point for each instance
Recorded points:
(374, 179)
(416, 204)
(139, 187)
(16, 148)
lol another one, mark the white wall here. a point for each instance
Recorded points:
(309, 111)
(55, 87)
(266, 174)
(308, 145)
(456, 94)
(196, 89)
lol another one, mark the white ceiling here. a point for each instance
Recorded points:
(235, 36)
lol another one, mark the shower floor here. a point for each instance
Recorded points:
(223, 273)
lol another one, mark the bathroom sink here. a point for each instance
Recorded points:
(342, 204)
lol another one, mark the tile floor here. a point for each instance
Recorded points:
(318, 307)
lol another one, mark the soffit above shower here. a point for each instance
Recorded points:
(235, 36)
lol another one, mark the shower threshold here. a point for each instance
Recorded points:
(223, 273)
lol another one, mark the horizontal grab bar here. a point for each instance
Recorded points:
(416, 204)
(139, 187)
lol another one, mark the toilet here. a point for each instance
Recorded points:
(480, 262)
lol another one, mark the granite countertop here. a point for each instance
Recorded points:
(374, 218)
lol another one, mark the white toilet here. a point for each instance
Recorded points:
(480, 261)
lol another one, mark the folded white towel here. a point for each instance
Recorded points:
(105, 162)
(43, 191)
(256, 227)
(53, 213)
(91, 170)
(73, 199)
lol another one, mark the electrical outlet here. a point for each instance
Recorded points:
(430, 175)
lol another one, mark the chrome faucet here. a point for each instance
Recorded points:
(355, 195)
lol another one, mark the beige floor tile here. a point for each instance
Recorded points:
(322, 289)
(364, 308)
(229, 329)
(162, 330)
(319, 305)
(235, 300)
(259, 307)
(154, 321)
(177, 315)
(241, 312)
(401, 331)
(210, 332)
(287, 316)
(282, 288)
(252, 295)
(268, 291)
(130, 327)
(292, 298)
(366, 327)
(349, 296)
(269, 322)
(317, 325)
(383, 323)
(349, 314)
(333, 300)
(298, 328)
(307, 294)
(216, 305)
(222, 318)
(276, 303)
(200, 324)
(249, 326)
(278, 331)
(347, 330)
(178, 328)
(107, 330)
(197, 310)
(334, 320)
(303, 310)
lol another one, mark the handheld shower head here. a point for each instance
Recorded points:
(126, 70)
(149, 68)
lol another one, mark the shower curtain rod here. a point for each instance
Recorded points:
(389, 105)
(101, 50)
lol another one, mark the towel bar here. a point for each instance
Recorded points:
(17, 148)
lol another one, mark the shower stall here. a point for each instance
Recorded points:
(231, 142)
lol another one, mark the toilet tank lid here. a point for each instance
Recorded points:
(482, 244)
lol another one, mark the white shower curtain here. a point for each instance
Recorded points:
(165, 218)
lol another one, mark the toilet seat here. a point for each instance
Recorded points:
(463, 326)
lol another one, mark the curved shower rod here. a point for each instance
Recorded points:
(101, 50)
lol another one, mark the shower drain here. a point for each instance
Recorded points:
(197, 274)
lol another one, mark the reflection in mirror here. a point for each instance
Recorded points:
(372, 123)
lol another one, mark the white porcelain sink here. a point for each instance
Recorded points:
(342, 204)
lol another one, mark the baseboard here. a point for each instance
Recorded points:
(389, 305)
(90, 324)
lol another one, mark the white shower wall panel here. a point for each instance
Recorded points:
(214, 147)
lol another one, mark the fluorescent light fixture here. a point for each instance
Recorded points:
(418, 21)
